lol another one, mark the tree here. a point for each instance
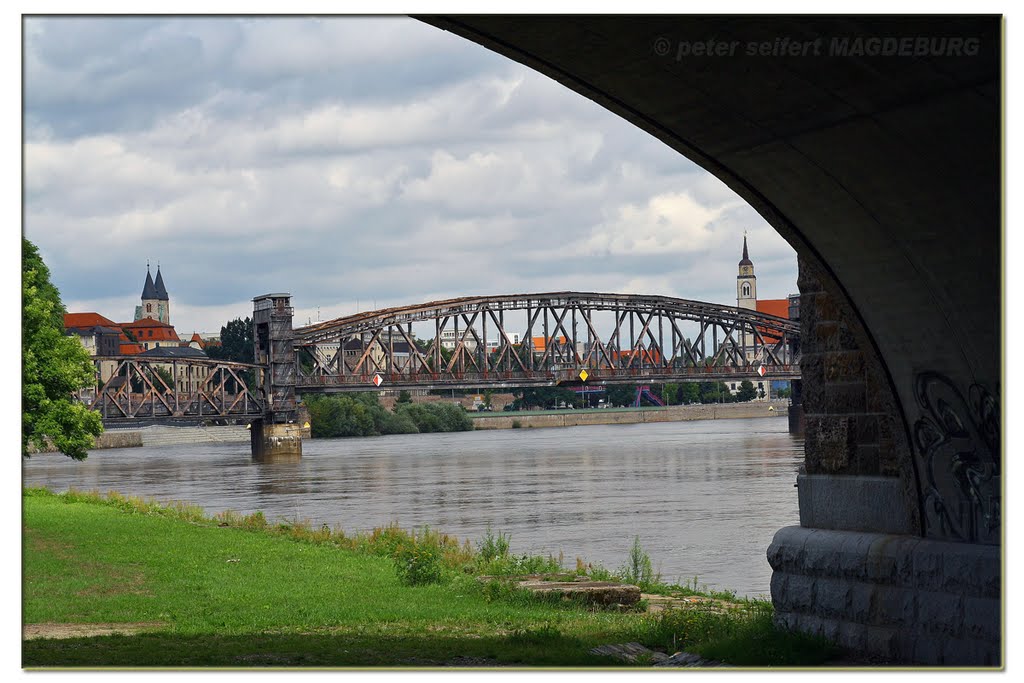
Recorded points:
(236, 342)
(620, 394)
(236, 345)
(54, 366)
(689, 392)
(403, 397)
(746, 392)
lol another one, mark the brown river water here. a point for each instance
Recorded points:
(705, 498)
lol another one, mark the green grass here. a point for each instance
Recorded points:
(235, 591)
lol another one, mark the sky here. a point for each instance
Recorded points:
(356, 163)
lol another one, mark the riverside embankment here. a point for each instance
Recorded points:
(577, 418)
(155, 435)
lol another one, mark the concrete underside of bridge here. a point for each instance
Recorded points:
(884, 173)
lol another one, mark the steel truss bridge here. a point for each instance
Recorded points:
(645, 339)
(130, 389)
(572, 338)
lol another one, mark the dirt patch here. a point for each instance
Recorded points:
(50, 630)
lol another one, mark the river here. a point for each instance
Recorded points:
(705, 498)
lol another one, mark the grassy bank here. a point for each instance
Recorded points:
(232, 591)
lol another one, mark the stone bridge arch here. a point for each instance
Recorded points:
(873, 145)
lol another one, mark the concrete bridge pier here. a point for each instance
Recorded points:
(278, 436)
(276, 442)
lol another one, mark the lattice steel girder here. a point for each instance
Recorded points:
(201, 388)
(739, 338)
(741, 341)
(635, 303)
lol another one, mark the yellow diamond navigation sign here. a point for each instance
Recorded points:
(584, 375)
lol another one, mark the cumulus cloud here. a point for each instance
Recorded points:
(349, 161)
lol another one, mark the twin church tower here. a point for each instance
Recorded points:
(155, 302)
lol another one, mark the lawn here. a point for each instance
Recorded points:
(236, 592)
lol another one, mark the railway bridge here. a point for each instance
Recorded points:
(500, 341)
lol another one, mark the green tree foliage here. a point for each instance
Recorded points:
(54, 366)
(236, 342)
(747, 391)
(546, 397)
(236, 345)
(689, 393)
(620, 394)
(362, 415)
(715, 392)
(403, 397)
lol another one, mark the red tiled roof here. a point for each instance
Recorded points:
(148, 329)
(777, 307)
(83, 320)
(130, 348)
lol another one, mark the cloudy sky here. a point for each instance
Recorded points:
(354, 162)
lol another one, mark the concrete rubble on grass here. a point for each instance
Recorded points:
(635, 652)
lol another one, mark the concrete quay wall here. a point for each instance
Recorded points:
(570, 418)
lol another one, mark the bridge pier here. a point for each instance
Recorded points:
(276, 442)
(277, 436)
(796, 408)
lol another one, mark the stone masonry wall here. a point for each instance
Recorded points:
(852, 420)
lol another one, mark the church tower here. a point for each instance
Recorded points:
(746, 295)
(746, 282)
(155, 301)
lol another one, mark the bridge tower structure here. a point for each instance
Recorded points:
(276, 436)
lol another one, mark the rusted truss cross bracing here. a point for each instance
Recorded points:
(615, 338)
(130, 388)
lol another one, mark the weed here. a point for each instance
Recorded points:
(638, 569)
(419, 564)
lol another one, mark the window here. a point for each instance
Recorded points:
(746, 290)
(149, 308)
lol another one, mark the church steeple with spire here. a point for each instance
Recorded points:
(746, 281)
(155, 301)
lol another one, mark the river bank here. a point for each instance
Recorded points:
(577, 418)
(188, 589)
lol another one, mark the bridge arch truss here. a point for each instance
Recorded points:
(609, 338)
(132, 388)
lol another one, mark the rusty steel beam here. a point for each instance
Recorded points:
(135, 389)
(741, 341)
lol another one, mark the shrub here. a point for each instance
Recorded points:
(516, 424)
(419, 562)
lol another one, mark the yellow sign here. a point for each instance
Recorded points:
(584, 375)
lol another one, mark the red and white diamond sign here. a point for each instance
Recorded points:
(378, 380)
(761, 370)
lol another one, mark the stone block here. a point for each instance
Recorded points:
(893, 606)
(973, 568)
(844, 366)
(940, 613)
(801, 593)
(827, 307)
(928, 572)
(982, 617)
(832, 598)
(852, 503)
(891, 560)
(852, 636)
(786, 551)
(882, 642)
(861, 600)
(970, 652)
(867, 460)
